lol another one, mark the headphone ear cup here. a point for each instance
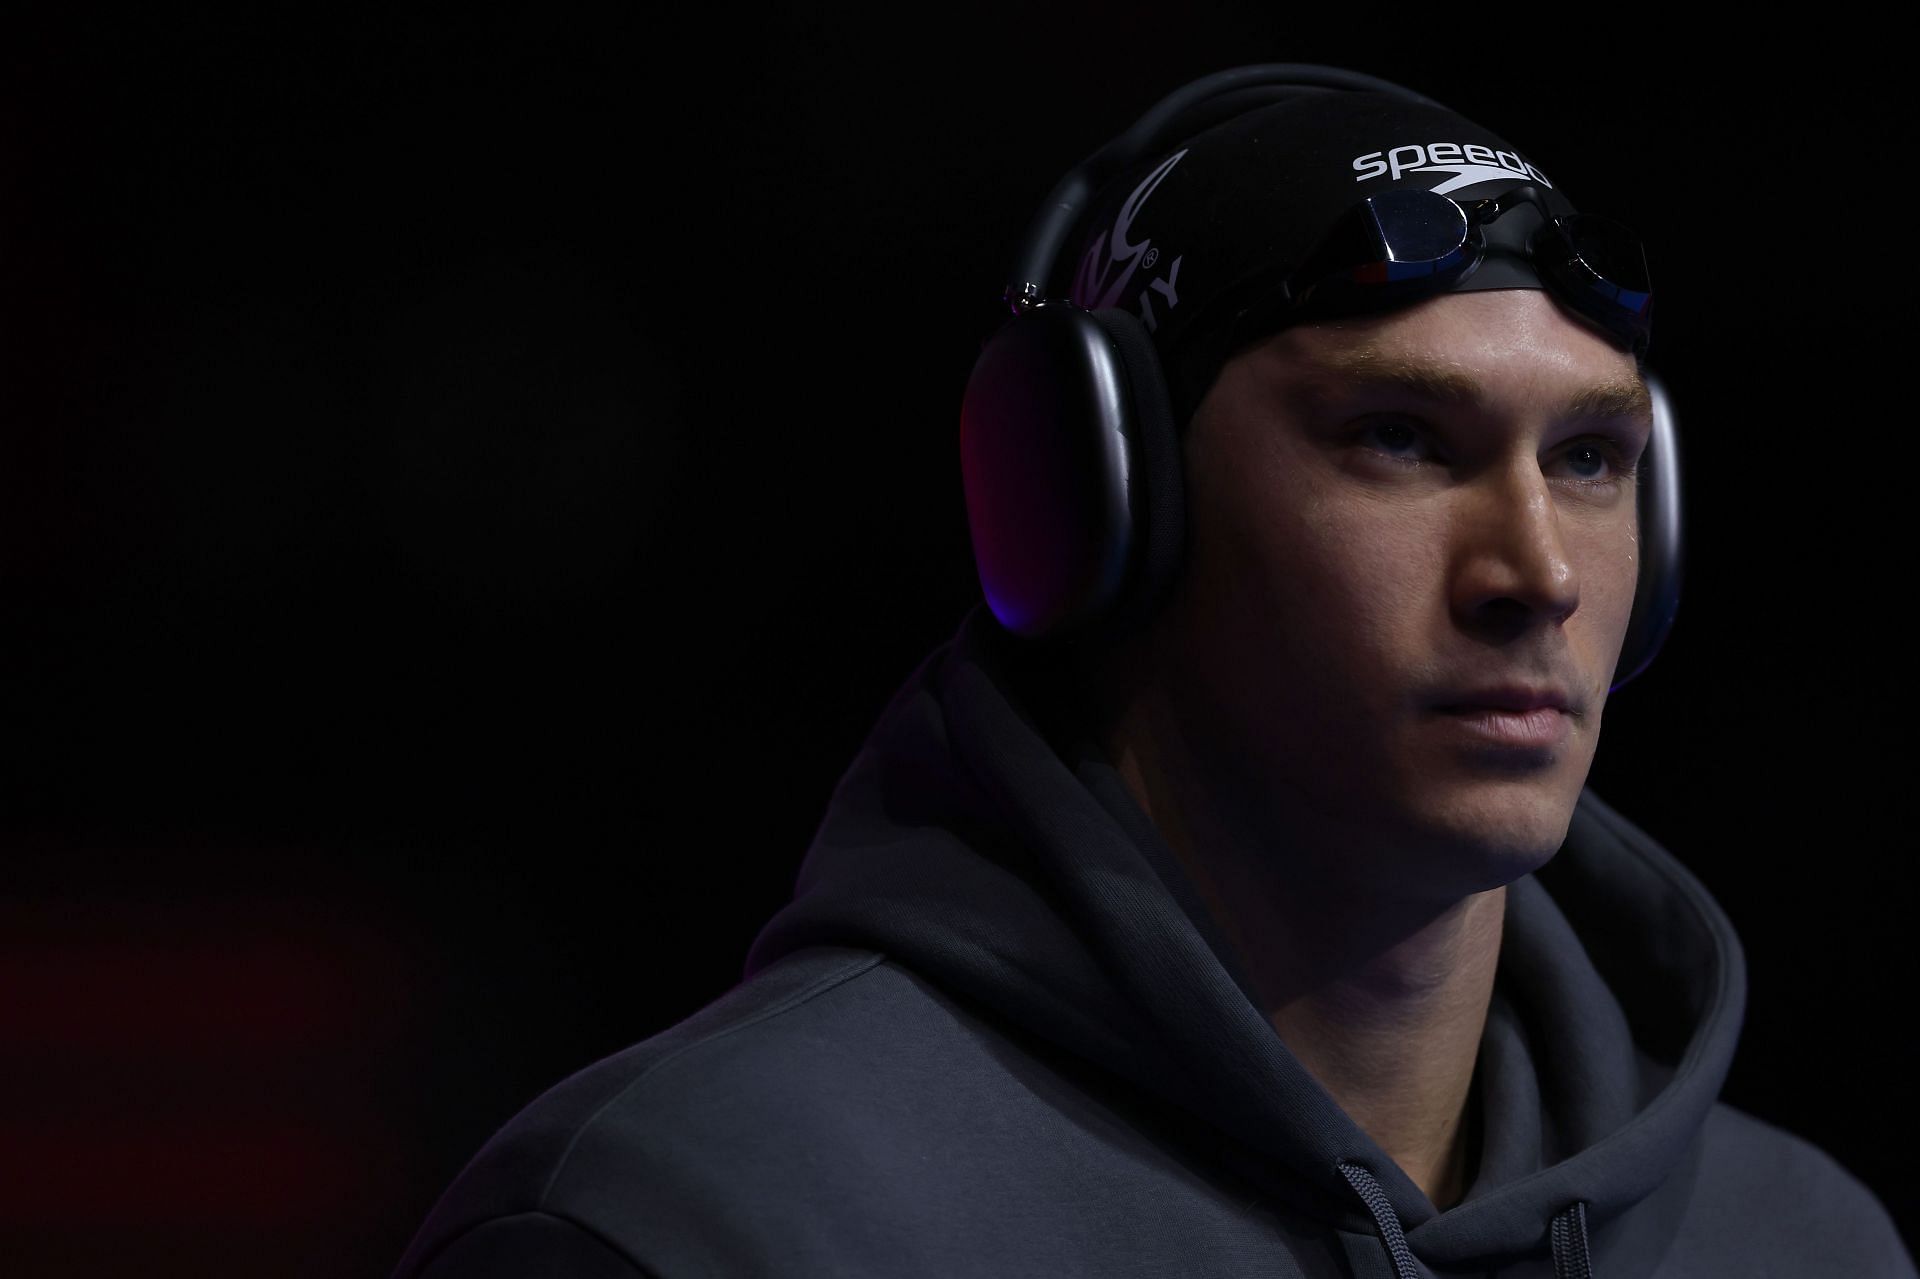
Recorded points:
(1046, 460)
(1158, 506)
(1071, 471)
(1657, 593)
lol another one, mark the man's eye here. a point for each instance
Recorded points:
(1396, 439)
(1589, 461)
(1600, 463)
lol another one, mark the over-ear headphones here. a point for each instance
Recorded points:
(1070, 455)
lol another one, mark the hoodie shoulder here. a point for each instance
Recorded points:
(1779, 1192)
(507, 1192)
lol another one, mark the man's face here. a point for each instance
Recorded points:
(1390, 515)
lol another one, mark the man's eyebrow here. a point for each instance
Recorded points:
(1368, 368)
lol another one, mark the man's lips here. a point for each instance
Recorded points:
(1505, 697)
(1532, 717)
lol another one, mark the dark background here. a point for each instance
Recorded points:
(466, 489)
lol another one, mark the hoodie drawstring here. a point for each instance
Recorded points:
(1384, 1220)
(1571, 1260)
(1571, 1257)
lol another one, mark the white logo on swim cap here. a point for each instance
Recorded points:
(1095, 285)
(1469, 163)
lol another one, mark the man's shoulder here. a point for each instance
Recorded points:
(1754, 1157)
(611, 1128)
(1758, 1179)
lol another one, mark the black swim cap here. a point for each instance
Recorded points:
(1180, 237)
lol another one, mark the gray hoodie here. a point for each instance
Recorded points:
(995, 1034)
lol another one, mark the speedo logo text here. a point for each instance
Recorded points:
(1469, 163)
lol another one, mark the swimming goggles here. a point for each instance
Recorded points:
(1398, 246)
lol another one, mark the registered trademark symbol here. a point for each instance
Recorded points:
(1152, 256)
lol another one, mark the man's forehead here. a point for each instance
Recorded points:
(1338, 360)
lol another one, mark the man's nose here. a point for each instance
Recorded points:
(1512, 568)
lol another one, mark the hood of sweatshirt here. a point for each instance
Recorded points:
(1012, 866)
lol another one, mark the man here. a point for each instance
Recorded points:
(1270, 931)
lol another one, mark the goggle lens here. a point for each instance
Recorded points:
(1604, 260)
(1390, 238)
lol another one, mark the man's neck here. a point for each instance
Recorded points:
(1381, 999)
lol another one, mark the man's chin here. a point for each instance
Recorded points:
(1448, 843)
(1497, 833)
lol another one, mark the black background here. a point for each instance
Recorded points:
(467, 487)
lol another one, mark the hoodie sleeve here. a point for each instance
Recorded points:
(1816, 1216)
(592, 1179)
(1869, 1243)
(532, 1244)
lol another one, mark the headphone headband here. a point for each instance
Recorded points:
(1187, 110)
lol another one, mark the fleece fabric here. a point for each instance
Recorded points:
(995, 1034)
